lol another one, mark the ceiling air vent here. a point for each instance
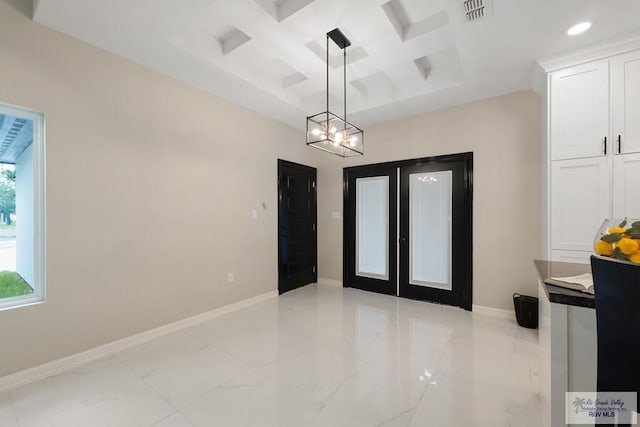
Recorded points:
(476, 10)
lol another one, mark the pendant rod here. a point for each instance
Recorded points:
(344, 66)
(327, 130)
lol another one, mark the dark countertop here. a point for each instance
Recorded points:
(560, 295)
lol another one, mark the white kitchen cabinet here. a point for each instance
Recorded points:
(625, 103)
(626, 186)
(590, 96)
(579, 111)
(594, 150)
(580, 202)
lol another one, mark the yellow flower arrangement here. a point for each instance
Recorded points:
(620, 242)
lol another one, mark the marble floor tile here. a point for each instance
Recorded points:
(461, 400)
(182, 371)
(318, 356)
(104, 393)
(7, 416)
(174, 420)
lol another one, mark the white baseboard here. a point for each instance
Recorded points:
(330, 282)
(57, 366)
(495, 312)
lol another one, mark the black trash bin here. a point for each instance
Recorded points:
(526, 310)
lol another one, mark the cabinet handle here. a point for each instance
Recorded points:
(619, 144)
(605, 145)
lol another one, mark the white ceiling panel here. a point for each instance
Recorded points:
(407, 56)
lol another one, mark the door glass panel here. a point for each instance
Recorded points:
(430, 199)
(372, 227)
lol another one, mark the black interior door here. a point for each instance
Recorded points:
(435, 231)
(370, 232)
(297, 234)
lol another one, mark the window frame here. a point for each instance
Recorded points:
(39, 286)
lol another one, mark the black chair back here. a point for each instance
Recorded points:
(617, 294)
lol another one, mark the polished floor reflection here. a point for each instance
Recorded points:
(318, 356)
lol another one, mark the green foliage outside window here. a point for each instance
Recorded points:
(7, 194)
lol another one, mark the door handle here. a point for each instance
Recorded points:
(619, 144)
(605, 145)
(404, 239)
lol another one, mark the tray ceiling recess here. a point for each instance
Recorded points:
(407, 27)
(282, 9)
(231, 39)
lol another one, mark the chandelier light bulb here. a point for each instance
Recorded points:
(316, 131)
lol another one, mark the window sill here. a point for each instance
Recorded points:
(21, 301)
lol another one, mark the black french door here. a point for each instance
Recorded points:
(435, 232)
(428, 254)
(297, 234)
(371, 260)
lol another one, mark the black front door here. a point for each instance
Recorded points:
(369, 228)
(424, 251)
(435, 231)
(297, 238)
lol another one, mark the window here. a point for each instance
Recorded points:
(22, 207)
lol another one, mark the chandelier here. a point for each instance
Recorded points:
(328, 131)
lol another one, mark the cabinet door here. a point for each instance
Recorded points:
(626, 186)
(579, 120)
(625, 102)
(580, 202)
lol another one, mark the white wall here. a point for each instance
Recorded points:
(504, 135)
(24, 215)
(150, 188)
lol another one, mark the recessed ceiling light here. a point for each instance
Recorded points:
(579, 28)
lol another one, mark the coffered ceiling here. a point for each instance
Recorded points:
(407, 56)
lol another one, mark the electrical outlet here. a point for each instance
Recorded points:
(231, 278)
